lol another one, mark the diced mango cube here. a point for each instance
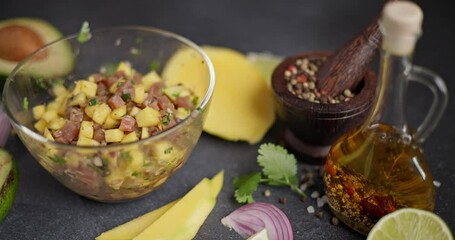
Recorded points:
(48, 116)
(110, 122)
(86, 129)
(115, 179)
(77, 87)
(149, 79)
(147, 117)
(62, 108)
(47, 134)
(125, 67)
(145, 133)
(89, 88)
(57, 123)
(139, 93)
(40, 125)
(137, 160)
(119, 112)
(113, 135)
(134, 110)
(182, 113)
(113, 87)
(91, 79)
(78, 99)
(101, 112)
(38, 111)
(176, 91)
(60, 90)
(53, 106)
(85, 141)
(130, 137)
(89, 110)
(163, 151)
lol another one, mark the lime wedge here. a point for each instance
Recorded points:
(261, 235)
(410, 223)
(265, 62)
(8, 182)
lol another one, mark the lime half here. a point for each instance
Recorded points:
(261, 235)
(8, 182)
(410, 223)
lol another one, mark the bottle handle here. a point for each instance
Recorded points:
(440, 98)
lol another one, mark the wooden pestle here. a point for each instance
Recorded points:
(347, 66)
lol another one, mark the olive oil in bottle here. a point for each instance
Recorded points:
(379, 167)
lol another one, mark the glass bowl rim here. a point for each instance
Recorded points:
(198, 110)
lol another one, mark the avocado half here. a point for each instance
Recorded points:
(56, 61)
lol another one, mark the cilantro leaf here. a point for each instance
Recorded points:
(84, 34)
(25, 103)
(245, 186)
(57, 159)
(278, 165)
(279, 168)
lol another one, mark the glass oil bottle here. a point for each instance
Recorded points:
(379, 167)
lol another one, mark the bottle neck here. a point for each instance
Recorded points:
(390, 102)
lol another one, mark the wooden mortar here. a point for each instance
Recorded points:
(309, 129)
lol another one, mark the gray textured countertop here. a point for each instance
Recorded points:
(44, 209)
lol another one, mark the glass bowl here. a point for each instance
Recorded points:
(115, 172)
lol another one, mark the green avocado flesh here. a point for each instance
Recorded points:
(56, 62)
(8, 182)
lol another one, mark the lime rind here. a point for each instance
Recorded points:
(9, 186)
(410, 223)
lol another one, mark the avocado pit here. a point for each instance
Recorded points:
(17, 42)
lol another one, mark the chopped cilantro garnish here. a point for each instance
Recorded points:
(168, 150)
(84, 34)
(195, 100)
(57, 159)
(126, 96)
(58, 82)
(139, 40)
(125, 156)
(92, 102)
(97, 169)
(154, 65)
(167, 119)
(25, 103)
(279, 168)
(199, 109)
(41, 83)
(176, 94)
(109, 69)
(120, 83)
(135, 174)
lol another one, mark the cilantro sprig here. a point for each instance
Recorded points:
(84, 34)
(279, 168)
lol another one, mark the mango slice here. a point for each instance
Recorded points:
(242, 107)
(183, 220)
(180, 219)
(131, 229)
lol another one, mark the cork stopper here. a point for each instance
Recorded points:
(401, 25)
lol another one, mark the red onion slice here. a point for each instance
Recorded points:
(252, 218)
(5, 127)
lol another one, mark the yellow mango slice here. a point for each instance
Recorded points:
(131, 229)
(242, 107)
(183, 220)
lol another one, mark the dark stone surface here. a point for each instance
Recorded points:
(44, 209)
